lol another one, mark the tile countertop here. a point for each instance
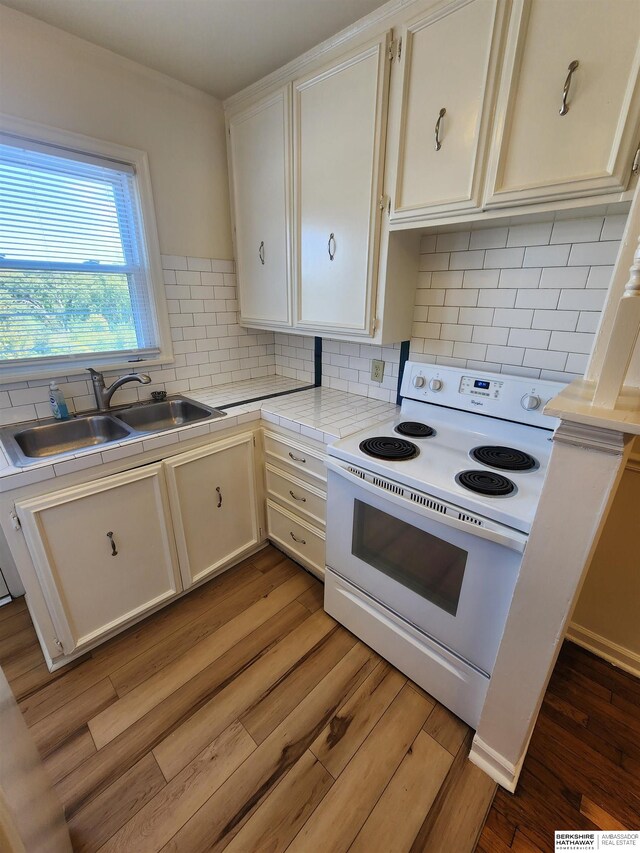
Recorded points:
(324, 414)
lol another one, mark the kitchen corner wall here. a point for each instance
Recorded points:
(524, 299)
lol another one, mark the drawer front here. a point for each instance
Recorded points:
(296, 457)
(304, 542)
(299, 497)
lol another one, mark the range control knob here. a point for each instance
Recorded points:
(530, 402)
(435, 384)
(419, 381)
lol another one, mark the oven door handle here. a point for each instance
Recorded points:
(506, 536)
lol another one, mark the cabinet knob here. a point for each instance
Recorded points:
(441, 114)
(114, 550)
(564, 109)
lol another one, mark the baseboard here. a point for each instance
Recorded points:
(613, 653)
(495, 765)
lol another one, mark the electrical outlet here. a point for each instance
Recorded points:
(377, 370)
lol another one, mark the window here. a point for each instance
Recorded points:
(75, 277)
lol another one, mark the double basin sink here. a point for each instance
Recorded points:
(28, 444)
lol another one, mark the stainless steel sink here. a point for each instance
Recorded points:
(26, 444)
(53, 439)
(168, 414)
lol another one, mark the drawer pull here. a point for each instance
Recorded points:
(296, 498)
(261, 252)
(441, 115)
(331, 247)
(564, 109)
(295, 539)
(297, 458)
(218, 490)
(114, 550)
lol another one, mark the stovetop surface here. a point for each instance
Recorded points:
(444, 455)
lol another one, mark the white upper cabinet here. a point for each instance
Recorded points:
(581, 53)
(448, 58)
(339, 131)
(260, 166)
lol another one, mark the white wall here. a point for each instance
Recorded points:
(49, 76)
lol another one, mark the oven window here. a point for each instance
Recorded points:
(423, 563)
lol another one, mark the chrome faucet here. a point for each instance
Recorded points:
(103, 394)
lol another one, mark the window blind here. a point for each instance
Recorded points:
(73, 271)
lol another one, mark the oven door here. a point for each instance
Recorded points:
(451, 580)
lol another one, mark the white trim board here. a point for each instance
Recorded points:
(602, 647)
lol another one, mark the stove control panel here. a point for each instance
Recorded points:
(481, 387)
(513, 398)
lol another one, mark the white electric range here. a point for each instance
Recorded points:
(427, 521)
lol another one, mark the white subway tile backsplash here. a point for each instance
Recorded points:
(555, 320)
(504, 258)
(546, 256)
(489, 238)
(594, 254)
(472, 260)
(436, 261)
(530, 293)
(577, 230)
(531, 234)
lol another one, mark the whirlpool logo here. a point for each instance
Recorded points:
(477, 403)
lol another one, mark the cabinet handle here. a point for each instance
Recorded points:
(297, 458)
(114, 550)
(295, 539)
(219, 491)
(635, 166)
(441, 114)
(331, 247)
(296, 498)
(261, 252)
(564, 109)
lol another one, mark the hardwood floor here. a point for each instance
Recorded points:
(582, 770)
(244, 718)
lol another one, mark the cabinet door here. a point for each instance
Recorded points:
(448, 68)
(103, 552)
(213, 504)
(539, 154)
(260, 165)
(339, 116)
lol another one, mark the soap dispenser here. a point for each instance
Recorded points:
(59, 408)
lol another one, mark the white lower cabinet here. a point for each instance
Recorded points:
(213, 504)
(103, 552)
(296, 487)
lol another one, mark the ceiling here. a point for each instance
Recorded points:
(219, 46)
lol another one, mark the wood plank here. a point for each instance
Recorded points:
(70, 754)
(450, 731)
(490, 842)
(183, 744)
(313, 598)
(522, 844)
(53, 730)
(224, 814)
(15, 644)
(20, 667)
(160, 818)
(599, 816)
(119, 755)
(273, 826)
(96, 823)
(337, 820)
(410, 793)
(264, 715)
(7, 611)
(12, 625)
(230, 604)
(458, 822)
(349, 727)
(500, 826)
(566, 709)
(135, 704)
